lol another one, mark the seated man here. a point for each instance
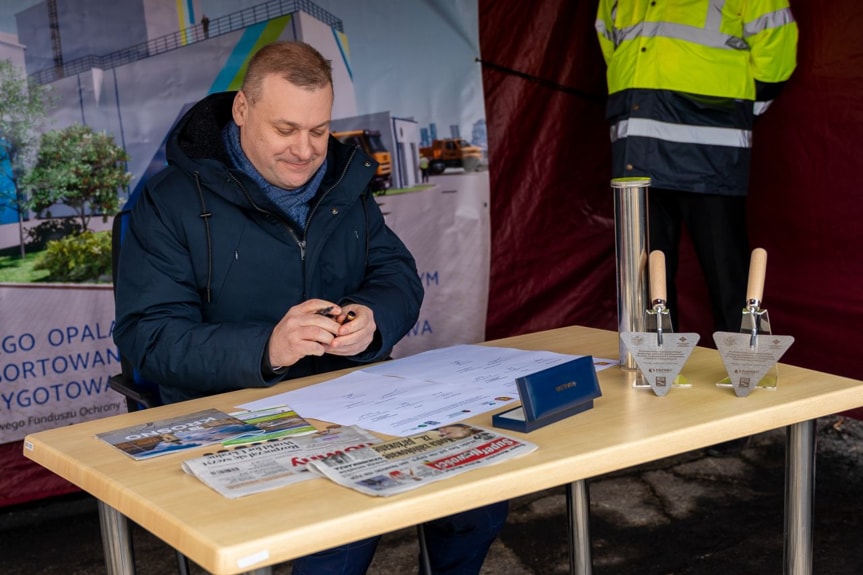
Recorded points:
(248, 253)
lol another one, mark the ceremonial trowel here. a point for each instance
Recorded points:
(659, 353)
(750, 357)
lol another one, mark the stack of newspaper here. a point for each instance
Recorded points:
(255, 451)
(354, 458)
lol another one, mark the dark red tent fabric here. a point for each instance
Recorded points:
(21, 480)
(552, 260)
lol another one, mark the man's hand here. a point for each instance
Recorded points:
(306, 329)
(316, 327)
(356, 330)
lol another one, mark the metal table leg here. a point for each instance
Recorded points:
(116, 541)
(578, 515)
(425, 560)
(799, 497)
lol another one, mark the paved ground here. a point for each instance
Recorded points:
(703, 512)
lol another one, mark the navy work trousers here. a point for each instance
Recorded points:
(457, 545)
(716, 225)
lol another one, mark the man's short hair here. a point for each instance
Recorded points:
(297, 62)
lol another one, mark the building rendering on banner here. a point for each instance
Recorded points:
(135, 77)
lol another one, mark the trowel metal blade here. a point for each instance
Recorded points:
(751, 323)
(660, 365)
(746, 364)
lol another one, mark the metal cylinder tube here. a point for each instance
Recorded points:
(631, 249)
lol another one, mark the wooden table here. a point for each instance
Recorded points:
(627, 427)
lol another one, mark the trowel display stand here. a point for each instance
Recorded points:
(760, 323)
(659, 357)
(665, 335)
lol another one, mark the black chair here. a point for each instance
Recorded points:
(139, 393)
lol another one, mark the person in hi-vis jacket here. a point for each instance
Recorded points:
(686, 80)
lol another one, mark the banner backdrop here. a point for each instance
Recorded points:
(56, 355)
(405, 70)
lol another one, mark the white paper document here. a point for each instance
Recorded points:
(423, 391)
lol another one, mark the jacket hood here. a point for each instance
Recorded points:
(198, 134)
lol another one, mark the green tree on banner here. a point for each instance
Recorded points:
(80, 168)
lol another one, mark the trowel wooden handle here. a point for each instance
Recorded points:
(757, 270)
(656, 262)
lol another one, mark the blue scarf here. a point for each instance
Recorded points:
(293, 203)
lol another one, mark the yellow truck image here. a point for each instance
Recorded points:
(452, 153)
(370, 142)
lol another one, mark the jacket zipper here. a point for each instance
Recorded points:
(301, 243)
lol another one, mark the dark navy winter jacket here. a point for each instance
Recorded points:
(208, 266)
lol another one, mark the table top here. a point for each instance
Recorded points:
(627, 426)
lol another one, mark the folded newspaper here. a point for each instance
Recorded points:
(247, 469)
(353, 457)
(408, 462)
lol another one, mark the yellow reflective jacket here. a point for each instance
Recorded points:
(710, 47)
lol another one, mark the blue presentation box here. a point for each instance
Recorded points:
(551, 395)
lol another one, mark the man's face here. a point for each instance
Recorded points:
(284, 133)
